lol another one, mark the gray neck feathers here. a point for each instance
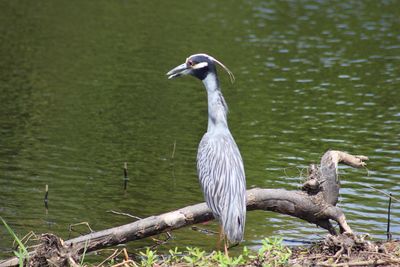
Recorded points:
(217, 108)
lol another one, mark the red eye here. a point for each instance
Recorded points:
(190, 63)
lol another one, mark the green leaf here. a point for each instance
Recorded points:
(15, 236)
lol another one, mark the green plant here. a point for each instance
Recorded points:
(273, 252)
(22, 253)
(247, 256)
(195, 255)
(174, 256)
(224, 260)
(150, 257)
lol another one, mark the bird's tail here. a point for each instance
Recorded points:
(234, 221)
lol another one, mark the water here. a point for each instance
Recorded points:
(83, 90)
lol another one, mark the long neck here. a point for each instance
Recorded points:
(217, 108)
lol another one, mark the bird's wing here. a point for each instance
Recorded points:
(221, 175)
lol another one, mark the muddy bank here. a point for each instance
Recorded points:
(340, 250)
(347, 250)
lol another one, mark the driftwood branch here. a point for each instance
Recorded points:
(315, 203)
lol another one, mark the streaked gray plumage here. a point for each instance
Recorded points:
(219, 163)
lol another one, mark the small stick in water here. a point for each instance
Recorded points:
(46, 199)
(173, 150)
(125, 175)
(388, 233)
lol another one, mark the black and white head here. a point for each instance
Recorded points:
(199, 66)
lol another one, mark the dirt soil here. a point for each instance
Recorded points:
(347, 250)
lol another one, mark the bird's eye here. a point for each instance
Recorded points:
(190, 63)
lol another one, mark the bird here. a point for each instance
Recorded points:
(220, 166)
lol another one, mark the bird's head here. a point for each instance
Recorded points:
(199, 66)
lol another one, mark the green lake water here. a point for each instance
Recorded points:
(83, 90)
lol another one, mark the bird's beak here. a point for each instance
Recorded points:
(180, 70)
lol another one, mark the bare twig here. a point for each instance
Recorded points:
(160, 241)
(361, 263)
(76, 224)
(204, 231)
(112, 256)
(28, 236)
(46, 199)
(383, 192)
(124, 263)
(338, 254)
(125, 254)
(389, 235)
(125, 175)
(124, 214)
(173, 150)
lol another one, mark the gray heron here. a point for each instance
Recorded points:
(219, 163)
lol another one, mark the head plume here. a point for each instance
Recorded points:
(231, 76)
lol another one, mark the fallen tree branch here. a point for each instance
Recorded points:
(315, 204)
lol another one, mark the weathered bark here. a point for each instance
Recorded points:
(315, 204)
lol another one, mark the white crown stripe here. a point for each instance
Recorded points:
(231, 76)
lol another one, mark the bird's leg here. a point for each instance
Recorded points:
(220, 237)
(226, 245)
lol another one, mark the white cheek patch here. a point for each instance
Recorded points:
(200, 65)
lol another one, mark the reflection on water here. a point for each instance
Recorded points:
(331, 83)
(83, 90)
